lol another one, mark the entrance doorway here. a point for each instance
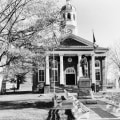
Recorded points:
(70, 76)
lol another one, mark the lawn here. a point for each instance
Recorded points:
(24, 107)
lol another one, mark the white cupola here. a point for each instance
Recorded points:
(68, 14)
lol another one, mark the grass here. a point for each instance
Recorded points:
(26, 108)
(31, 107)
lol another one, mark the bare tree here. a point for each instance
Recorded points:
(27, 28)
(114, 61)
(14, 33)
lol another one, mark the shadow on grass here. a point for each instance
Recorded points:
(23, 104)
(18, 92)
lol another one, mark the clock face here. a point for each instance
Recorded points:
(69, 31)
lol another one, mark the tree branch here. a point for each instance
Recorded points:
(4, 53)
(8, 62)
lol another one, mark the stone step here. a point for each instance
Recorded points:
(88, 101)
(71, 90)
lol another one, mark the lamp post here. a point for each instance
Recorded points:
(94, 72)
(53, 65)
(54, 37)
(62, 26)
(54, 70)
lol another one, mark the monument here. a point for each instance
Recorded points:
(84, 83)
(83, 64)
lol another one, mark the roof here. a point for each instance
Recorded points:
(67, 8)
(76, 43)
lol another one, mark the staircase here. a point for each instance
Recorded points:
(83, 90)
(60, 89)
(83, 95)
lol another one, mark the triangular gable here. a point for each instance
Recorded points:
(73, 40)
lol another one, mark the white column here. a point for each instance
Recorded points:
(61, 71)
(79, 68)
(47, 71)
(93, 69)
(104, 73)
(2, 62)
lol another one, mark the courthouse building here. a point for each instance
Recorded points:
(62, 66)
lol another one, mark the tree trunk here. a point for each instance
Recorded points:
(1, 80)
(18, 84)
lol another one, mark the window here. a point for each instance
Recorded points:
(97, 70)
(69, 16)
(41, 75)
(70, 70)
(97, 74)
(54, 75)
(86, 70)
(74, 16)
(64, 15)
(97, 63)
(54, 71)
(54, 64)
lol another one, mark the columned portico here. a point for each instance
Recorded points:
(47, 71)
(61, 70)
(72, 61)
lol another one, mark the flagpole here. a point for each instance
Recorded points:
(94, 57)
(54, 37)
(53, 65)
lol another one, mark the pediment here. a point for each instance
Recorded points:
(73, 40)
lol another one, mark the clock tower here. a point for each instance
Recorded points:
(68, 15)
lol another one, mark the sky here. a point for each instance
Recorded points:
(102, 16)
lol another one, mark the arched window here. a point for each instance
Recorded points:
(97, 70)
(54, 71)
(64, 15)
(69, 16)
(97, 63)
(70, 70)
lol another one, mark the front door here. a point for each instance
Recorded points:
(70, 76)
